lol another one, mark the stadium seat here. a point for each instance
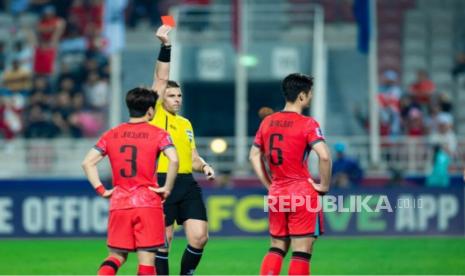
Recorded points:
(414, 46)
(27, 20)
(445, 46)
(442, 62)
(6, 20)
(415, 62)
(415, 16)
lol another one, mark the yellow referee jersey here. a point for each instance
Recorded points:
(180, 130)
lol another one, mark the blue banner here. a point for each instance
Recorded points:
(70, 208)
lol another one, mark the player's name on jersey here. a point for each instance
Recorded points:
(135, 135)
(281, 123)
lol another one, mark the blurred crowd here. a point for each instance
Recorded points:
(54, 74)
(419, 111)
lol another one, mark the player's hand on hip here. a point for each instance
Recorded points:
(108, 193)
(162, 34)
(318, 187)
(209, 172)
(162, 191)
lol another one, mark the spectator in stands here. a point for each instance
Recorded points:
(49, 31)
(67, 85)
(389, 101)
(439, 175)
(50, 28)
(96, 91)
(346, 171)
(87, 18)
(414, 125)
(23, 53)
(445, 136)
(423, 88)
(41, 84)
(432, 121)
(384, 122)
(10, 123)
(17, 79)
(38, 125)
(63, 116)
(390, 89)
(459, 67)
(445, 102)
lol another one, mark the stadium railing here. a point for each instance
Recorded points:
(61, 158)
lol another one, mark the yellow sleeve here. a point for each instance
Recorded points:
(190, 133)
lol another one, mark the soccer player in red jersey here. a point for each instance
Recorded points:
(136, 219)
(285, 140)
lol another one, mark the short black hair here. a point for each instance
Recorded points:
(172, 84)
(139, 100)
(295, 83)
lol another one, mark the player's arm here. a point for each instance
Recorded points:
(256, 158)
(173, 166)
(325, 164)
(162, 67)
(199, 165)
(89, 165)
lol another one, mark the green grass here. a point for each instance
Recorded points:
(243, 256)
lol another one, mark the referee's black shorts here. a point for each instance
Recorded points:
(185, 201)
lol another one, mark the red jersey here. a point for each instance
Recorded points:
(133, 150)
(286, 139)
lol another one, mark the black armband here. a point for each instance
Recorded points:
(165, 53)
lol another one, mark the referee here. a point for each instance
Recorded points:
(185, 204)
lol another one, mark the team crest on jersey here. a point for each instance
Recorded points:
(319, 132)
(190, 134)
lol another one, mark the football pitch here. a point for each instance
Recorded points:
(243, 256)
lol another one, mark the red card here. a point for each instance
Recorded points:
(168, 20)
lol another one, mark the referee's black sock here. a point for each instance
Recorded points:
(161, 263)
(190, 260)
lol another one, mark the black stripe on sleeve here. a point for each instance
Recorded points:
(316, 142)
(167, 146)
(102, 152)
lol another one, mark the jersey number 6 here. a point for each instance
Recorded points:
(273, 148)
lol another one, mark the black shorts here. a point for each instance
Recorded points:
(185, 201)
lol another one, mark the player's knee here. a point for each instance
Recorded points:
(199, 240)
(120, 256)
(169, 236)
(281, 244)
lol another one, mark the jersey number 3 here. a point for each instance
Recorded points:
(131, 161)
(276, 153)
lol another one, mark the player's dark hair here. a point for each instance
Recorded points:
(139, 100)
(295, 83)
(172, 84)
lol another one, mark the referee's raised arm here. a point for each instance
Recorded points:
(162, 66)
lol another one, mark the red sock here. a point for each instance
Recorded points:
(300, 264)
(272, 262)
(146, 270)
(109, 266)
